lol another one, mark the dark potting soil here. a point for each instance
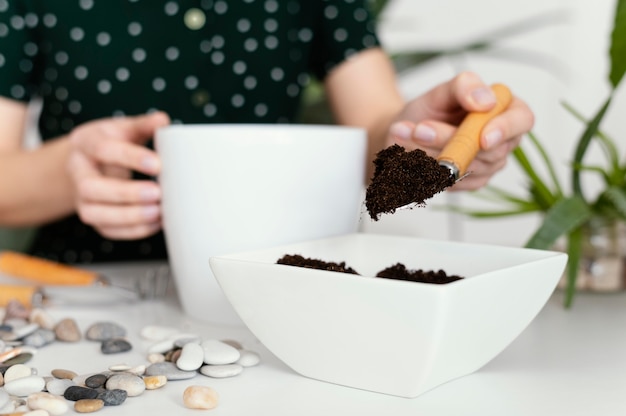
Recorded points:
(400, 272)
(402, 178)
(300, 261)
(397, 271)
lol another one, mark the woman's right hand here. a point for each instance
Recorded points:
(104, 153)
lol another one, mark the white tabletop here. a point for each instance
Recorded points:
(567, 362)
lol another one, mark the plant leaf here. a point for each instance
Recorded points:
(564, 216)
(617, 50)
(543, 193)
(548, 163)
(617, 196)
(574, 248)
(583, 144)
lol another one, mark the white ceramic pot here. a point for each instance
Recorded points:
(231, 188)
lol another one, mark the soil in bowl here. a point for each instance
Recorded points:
(397, 272)
(402, 178)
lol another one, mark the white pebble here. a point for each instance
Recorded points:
(191, 357)
(39, 412)
(4, 398)
(21, 332)
(248, 358)
(119, 367)
(79, 380)
(8, 408)
(25, 386)
(54, 405)
(156, 357)
(161, 347)
(157, 332)
(221, 371)
(138, 370)
(133, 384)
(17, 371)
(200, 397)
(217, 353)
(42, 318)
(57, 386)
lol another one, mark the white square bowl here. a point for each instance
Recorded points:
(388, 336)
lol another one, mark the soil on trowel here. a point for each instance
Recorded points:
(401, 178)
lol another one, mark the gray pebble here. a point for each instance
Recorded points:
(101, 331)
(113, 397)
(40, 338)
(170, 371)
(76, 393)
(95, 381)
(115, 346)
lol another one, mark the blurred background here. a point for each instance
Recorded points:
(547, 51)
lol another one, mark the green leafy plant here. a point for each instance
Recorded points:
(568, 215)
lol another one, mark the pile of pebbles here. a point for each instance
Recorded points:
(172, 355)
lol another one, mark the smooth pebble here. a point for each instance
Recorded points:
(113, 397)
(200, 397)
(191, 357)
(57, 386)
(155, 382)
(4, 398)
(161, 347)
(181, 342)
(25, 386)
(21, 332)
(221, 371)
(132, 384)
(170, 371)
(75, 393)
(95, 381)
(40, 338)
(115, 346)
(17, 371)
(248, 358)
(101, 331)
(42, 318)
(54, 405)
(157, 332)
(156, 357)
(38, 412)
(62, 373)
(67, 330)
(217, 353)
(88, 405)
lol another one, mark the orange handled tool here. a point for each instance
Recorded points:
(49, 280)
(43, 271)
(464, 146)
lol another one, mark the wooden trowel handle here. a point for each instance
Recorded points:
(42, 271)
(465, 144)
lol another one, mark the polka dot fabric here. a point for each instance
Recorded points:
(201, 61)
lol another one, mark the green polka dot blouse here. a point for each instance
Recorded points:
(201, 61)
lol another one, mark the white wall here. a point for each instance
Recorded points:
(574, 55)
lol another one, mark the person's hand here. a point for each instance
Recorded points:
(430, 120)
(104, 154)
